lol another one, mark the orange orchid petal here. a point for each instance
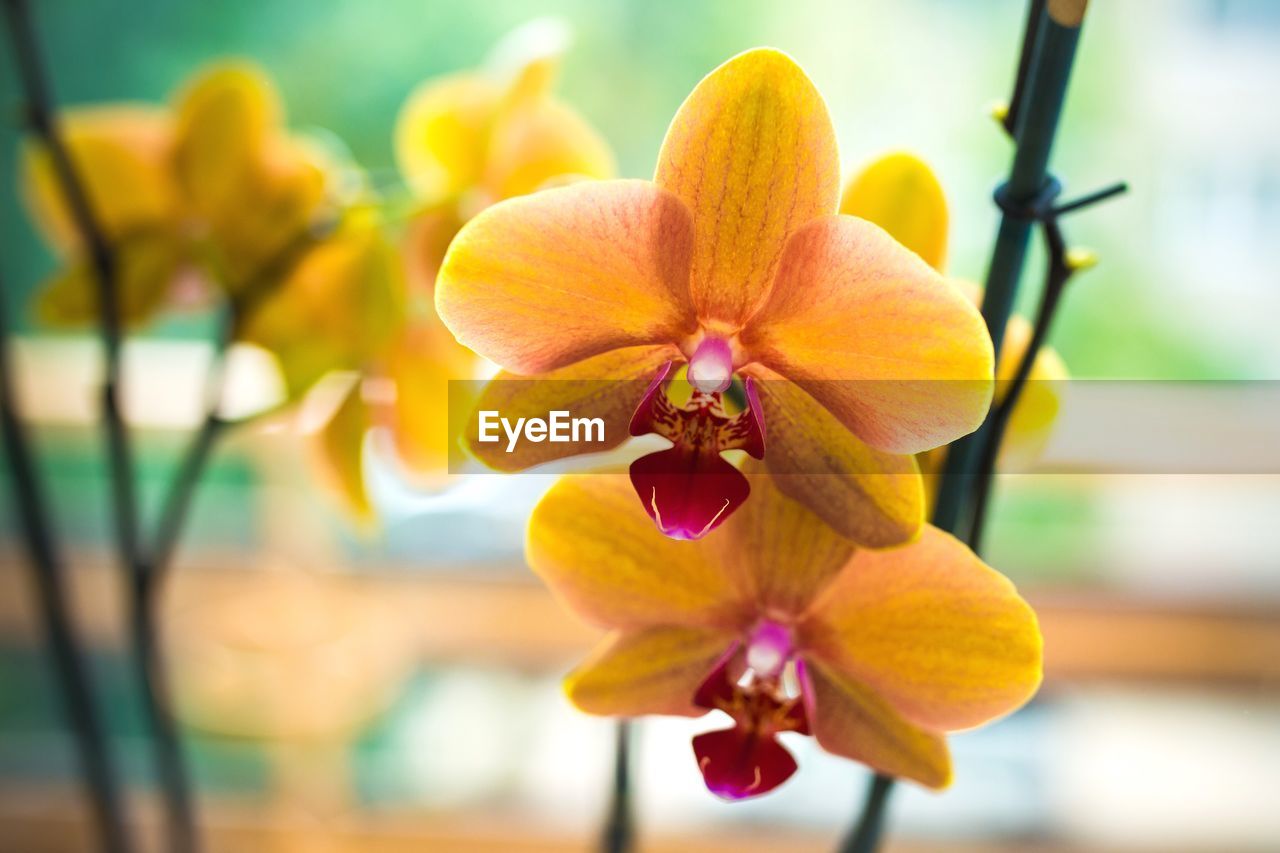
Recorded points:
(942, 637)
(420, 363)
(850, 720)
(225, 116)
(339, 448)
(535, 142)
(1031, 424)
(651, 671)
(121, 153)
(608, 386)
(255, 188)
(753, 154)
(783, 553)
(148, 262)
(286, 194)
(875, 335)
(592, 543)
(442, 134)
(528, 58)
(426, 240)
(334, 309)
(870, 497)
(901, 194)
(541, 281)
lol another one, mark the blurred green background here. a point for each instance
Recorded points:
(1158, 90)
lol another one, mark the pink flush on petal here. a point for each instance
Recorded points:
(689, 489)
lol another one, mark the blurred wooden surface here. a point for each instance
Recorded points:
(1089, 634)
(51, 822)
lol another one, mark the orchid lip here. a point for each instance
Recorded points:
(689, 489)
(747, 760)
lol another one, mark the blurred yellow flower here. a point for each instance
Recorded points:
(901, 194)
(205, 193)
(213, 195)
(783, 625)
(462, 142)
(467, 140)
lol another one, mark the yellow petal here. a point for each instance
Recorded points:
(529, 57)
(931, 629)
(608, 386)
(121, 154)
(147, 264)
(541, 281)
(888, 346)
(850, 720)
(426, 240)
(225, 116)
(334, 309)
(339, 448)
(539, 140)
(591, 541)
(283, 198)
(421, 362)
(753, 154)
(1031, 423)
(442, 134)
(871, 497)
(782, 553)
(649, 671)
(901, 194)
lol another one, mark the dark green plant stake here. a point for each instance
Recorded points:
(1027, 198)
(619, 825)
(70, 667)
(169, 760)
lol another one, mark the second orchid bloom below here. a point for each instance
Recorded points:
(782, 625)
(734, 263)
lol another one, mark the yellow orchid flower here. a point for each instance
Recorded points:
(901, 194)
(215, 190)
(733, 260)
(210, 189)
(339, 308)
(468, 140)
(785, 627)
(404, 393)
(462, 142)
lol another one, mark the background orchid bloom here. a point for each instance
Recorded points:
(467, 140)
(215, 194)
(901, 194)
(783, 625)
(734, 261)
(462, 142)
(203, 194)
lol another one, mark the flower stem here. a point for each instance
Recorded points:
(1044, 70)
(70, 667)
(1038, 111)
(619, 827)
(865, 835)
(170, 765)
